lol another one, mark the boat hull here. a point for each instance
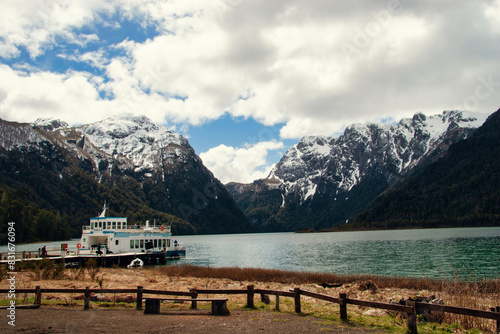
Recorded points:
(175, 254)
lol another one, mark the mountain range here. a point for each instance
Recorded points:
(142, 170)
(323, 182)
(460, 189)
(53, 177)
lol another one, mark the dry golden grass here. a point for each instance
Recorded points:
(298, 277)
(480, 294)
(476, 294)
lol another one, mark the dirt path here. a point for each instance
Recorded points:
(71, 320)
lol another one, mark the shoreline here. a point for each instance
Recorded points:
(335, 229)
(477, 295)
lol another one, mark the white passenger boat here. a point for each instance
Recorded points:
(112, 235)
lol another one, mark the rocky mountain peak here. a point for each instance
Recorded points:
(50, 124)
(337, 176)
(136, 138)
(140, 167)
(365, 149)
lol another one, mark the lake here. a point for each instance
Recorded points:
(433, 253)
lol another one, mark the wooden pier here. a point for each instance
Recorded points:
(75, 260)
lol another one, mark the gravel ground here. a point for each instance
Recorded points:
(70, 320)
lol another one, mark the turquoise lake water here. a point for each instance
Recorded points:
(434, 253)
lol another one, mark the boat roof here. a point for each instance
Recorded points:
(108, 218)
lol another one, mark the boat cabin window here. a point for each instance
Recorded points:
(168, 242)
(142, 243)
(117, 242)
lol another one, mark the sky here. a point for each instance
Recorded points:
(243, 80)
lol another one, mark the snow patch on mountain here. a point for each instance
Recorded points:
(366, 149)
(16, 135)
(144, 144)
(50, 124)
(132, 143)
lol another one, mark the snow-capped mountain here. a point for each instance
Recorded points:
(157, 167)
(139, 140)
(364, 149)
(461, 189)
(134, 142)
(331, 179)
(50, 124)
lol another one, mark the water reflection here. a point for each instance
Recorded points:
(436, 253)
(433, 253)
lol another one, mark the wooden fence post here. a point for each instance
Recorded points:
(498, 320)
(86, 299)
(343, 306)
(250, 294)
(497, 309)
(194, 304)
(297, 300)
(277, 302)
(38, 295)
(138, 300)
(412, 318)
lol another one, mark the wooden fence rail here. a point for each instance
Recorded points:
(250, 291)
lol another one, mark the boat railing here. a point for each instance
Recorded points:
(33, 254)
(156, 228)
(142, 228)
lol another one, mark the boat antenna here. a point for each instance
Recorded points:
(103, 213)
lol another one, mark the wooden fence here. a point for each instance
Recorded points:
(409, 309)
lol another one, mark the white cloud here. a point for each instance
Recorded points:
(314, 66)
(285, 62)
(492, 13)
(243, 165)
(73, 96)
(35, 26)
(96, 59)
(27, 97)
